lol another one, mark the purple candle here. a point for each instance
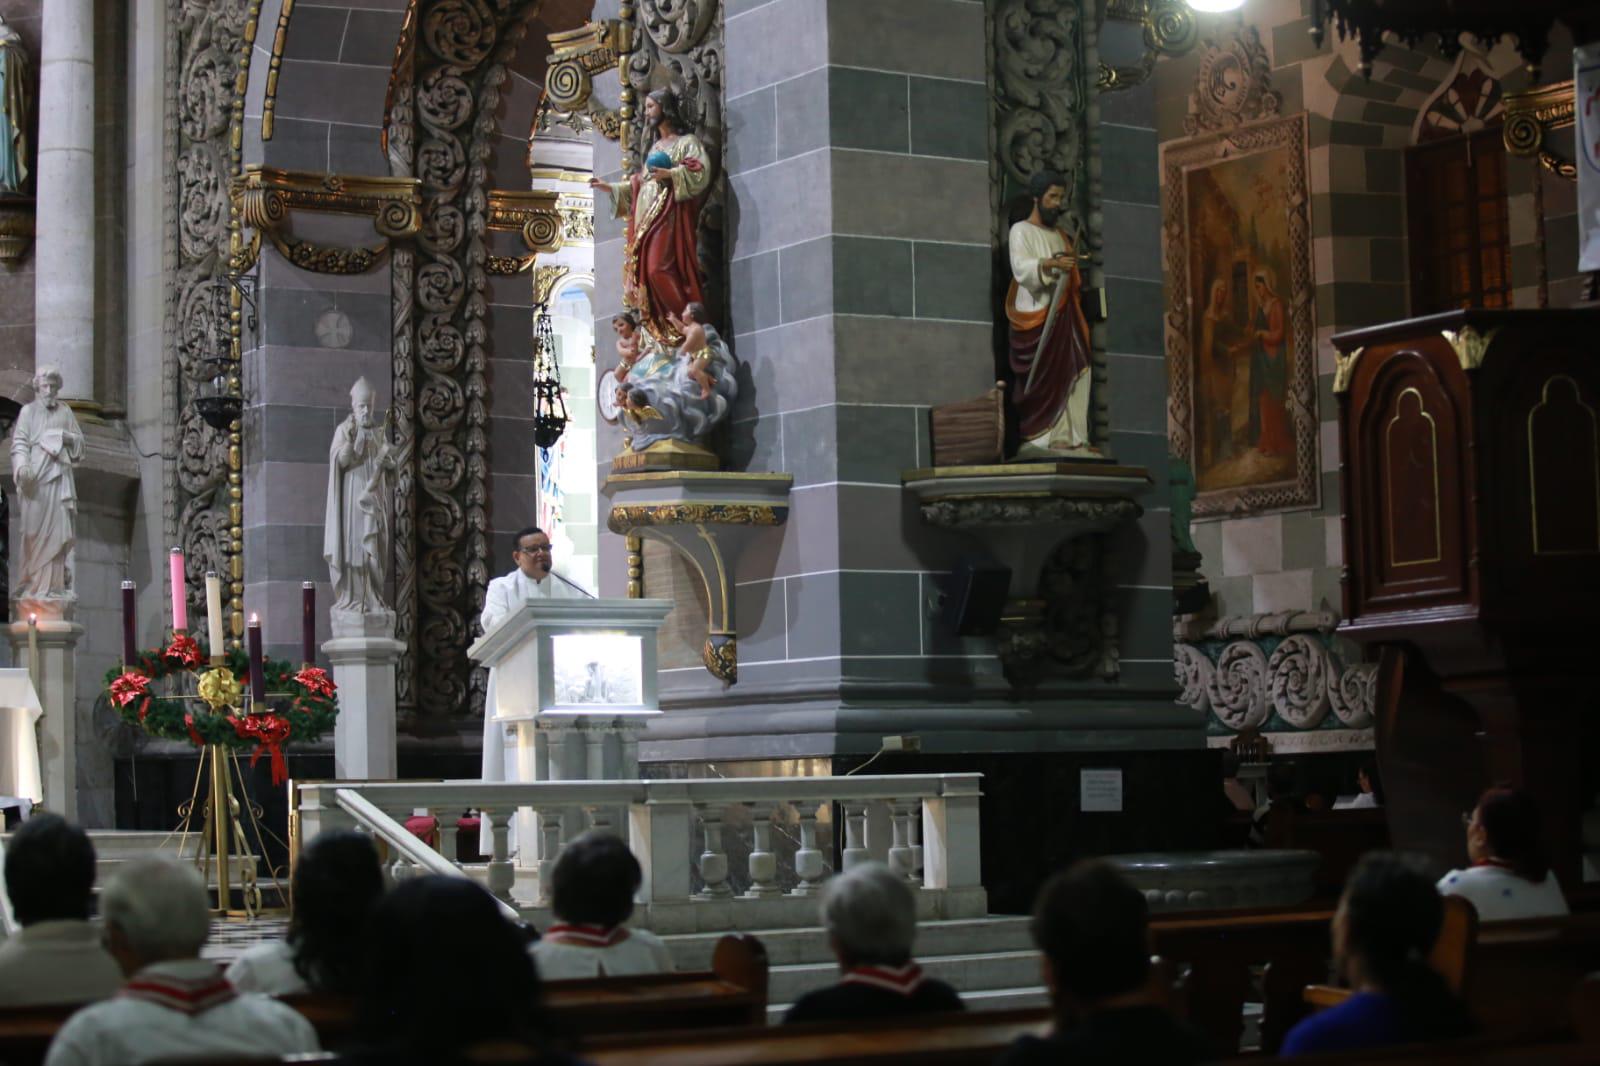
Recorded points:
(308, 623)
(130, 650)
(258, 673)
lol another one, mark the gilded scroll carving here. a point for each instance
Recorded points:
(459, 67)
(206, 47)
(678, 44)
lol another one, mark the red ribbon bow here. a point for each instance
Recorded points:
(269, 732)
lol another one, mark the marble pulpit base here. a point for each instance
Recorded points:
(55, 677)
(572, 747)
(363, 653)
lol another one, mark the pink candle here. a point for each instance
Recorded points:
(180, 592)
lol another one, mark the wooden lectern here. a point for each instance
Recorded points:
(1470, 472)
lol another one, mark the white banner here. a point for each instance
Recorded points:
(1586, 87)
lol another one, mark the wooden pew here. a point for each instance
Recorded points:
(732, 993)
(1219, 949)
(942, 1040)
(1451, 957)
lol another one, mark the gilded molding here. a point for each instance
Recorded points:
(507, 265)
(393, 204)
(545, 280)
(1344, 368)
(1530, 115)
(1469, 345)
(721, 656)
(624, 518)
(536, 213)
(580, 54)
(269, 107)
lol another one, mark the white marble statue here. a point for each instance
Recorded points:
(356, 530)
(45, 446)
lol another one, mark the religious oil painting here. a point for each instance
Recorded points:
(598, 669)
(1239, 327)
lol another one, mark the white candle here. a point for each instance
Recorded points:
(214, 612)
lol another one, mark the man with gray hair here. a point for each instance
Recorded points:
(870, 916)
(175, 1004)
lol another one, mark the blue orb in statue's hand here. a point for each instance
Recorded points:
(660, 159)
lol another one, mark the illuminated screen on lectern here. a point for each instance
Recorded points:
(599, 669)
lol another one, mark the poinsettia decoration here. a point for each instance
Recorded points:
(302, 703)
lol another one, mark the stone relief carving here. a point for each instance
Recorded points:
(459, 69)
(677, 44)
(400, 146)
(1248, 668)
(1233, 85)
(206, 47)
(1040, 98)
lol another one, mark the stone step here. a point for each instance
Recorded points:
(788, 947)
(991, 971)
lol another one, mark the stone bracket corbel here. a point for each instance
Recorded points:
(1531, 115)
(576, 57)
(266, 197)
(16, 227)
(709, 518)
(1022, 514)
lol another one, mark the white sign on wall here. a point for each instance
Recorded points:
(1586, 89)
(1100, 790)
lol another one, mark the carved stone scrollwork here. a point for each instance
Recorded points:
(1233, 85)
(678, 43)
(462, 49)
(1192, 670)
(1239, 686)
(1299, 681)
(1352, 692)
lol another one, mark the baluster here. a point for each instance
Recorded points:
(809, 864)
(713, 861)
(900, 858)
(763, 863)
(855, 833)
(550, 845)
(599, 819)
(916, 841)
(447, 835)
(501, 875)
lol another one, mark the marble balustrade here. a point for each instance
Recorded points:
(925, 826)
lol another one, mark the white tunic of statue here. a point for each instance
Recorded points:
(355, 539)
(504, 595)
(45, 446)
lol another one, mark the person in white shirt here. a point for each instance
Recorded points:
(337, 882)
(57, 957)
(591, 895)
(531, 580)
(175, 1004)
(1510, 875)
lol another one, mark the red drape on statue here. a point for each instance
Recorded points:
(665, 271)
(1065, 355)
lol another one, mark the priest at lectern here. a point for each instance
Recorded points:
(531, 580)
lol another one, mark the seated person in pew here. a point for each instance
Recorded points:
(591, 895)
(1369, 790)
(57, 957)
(1092, 927)
(447, 979)
(1387, 921)
(871, 919)
(175, 1005)
(337, 882)
(1510, 875)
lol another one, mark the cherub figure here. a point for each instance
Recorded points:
(695, 348)
(626, 326)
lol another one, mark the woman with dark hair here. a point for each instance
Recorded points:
(1510, 875)
(446, 980)
(591, 895)
(1387, 921)
(337, 881)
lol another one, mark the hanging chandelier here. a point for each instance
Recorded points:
(1529, 21)
(218, 397)
(549, 408)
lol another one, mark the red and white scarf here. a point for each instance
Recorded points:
(586, 936)
(186, 995)
(903, 980)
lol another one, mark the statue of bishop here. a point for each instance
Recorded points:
(45, 446)
(356, 531)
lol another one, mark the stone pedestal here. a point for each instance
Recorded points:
(363, 653)
(55, 679)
